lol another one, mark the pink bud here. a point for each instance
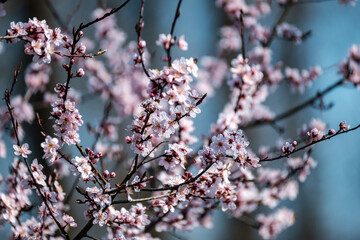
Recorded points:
(331, 131)
(80, 72)
(113, 174)
(142, 44)
(343, 126)
(80, 34)
(128, 139)
(106, 173)
(81, 48)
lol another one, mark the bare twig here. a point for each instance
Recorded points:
(144, 199)
(324, 138)
(242, 27)
(177, 15)
(70, 16)
(279, 21)
(56, 15)
(7, 97)
(112, 11)
(295, 109)
(138, 28)
(98, 53)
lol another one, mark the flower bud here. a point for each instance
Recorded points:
(80, 72)
(331, 131)
(128, 139)
(65, 66)
(142, 44)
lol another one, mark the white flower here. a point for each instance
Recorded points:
(22, 151)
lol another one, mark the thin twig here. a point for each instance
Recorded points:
(279, 21)
(177, 15)
(106, 114)
(84, 230)
(112, 11)
(98, 53)
(56, 15)
(248, 221)
(139, 27)
(70, 16)
(76, 39)
(7, 96)
(242, 27)
(295, 109)
(324, 138)
(144, 199)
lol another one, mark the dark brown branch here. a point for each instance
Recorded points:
(324, 138)
(70, 16)
(248, 221)
(295, 109)
(56, 15)
(98, 53)
(112, 11)
(84, 230)
(242, 28)
(139, 27)
(144, 199)
(7, 96)
(105, 117)
(177, 15)
(279, 21)
(76, 39)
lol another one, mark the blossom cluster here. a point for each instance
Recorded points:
(67, 119)
(41, 39)
(350, 68)
(290, 32)
(300, 80)
(170, 179)
(171, 99)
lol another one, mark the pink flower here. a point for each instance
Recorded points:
(69, 220)
(272, 225)
(164, 40)
(22, 151)
(50, 147)
(80, 72)
(183, 45)
(289, 32)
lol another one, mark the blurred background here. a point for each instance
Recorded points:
(328, 205)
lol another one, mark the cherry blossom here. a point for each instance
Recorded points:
(22, 150)
(167, 177)
(272, 225)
